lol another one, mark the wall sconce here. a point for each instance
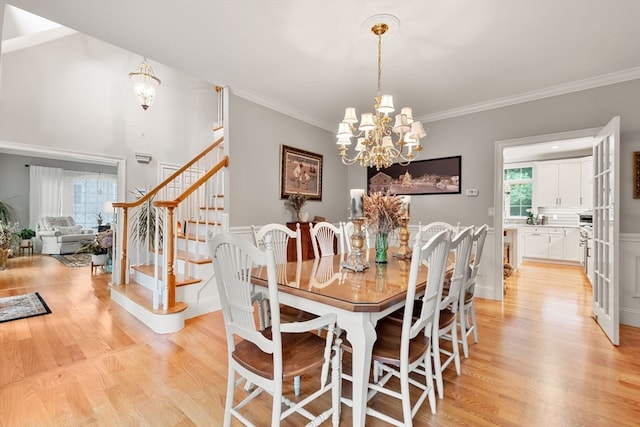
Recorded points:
(143, 158)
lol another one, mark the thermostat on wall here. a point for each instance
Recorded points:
(471, 192)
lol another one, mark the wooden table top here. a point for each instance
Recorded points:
(323, 280)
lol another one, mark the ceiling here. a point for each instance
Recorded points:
(310, 60)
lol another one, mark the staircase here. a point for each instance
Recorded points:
(162, 271)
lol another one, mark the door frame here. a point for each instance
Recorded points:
(498, 189)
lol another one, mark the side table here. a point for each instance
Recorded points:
(28, 248)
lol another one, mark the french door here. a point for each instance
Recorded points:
(606, 170)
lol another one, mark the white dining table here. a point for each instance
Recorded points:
(358, 299)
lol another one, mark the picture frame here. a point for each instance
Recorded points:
(431, 176)
(636, 174)
(300, 173)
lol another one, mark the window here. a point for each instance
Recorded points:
(518, 187)
(90, 192)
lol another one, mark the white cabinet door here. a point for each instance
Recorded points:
(556, 245)
(545, 185)
(587, 184)
(569, 184)
(536, 244)
(572, 248)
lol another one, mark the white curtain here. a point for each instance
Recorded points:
(45, 192)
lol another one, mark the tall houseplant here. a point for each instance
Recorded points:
(7, 213)
(143, 224)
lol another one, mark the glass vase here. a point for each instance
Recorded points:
(4, 257)
(382, 244)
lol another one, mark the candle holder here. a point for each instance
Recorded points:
(355, 261)
(404, 251)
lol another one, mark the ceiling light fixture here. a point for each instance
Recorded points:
(375, 145)
(145, 83)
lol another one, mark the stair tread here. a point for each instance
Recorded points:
(181, 279)
(193, 258)
(204, 222)
(144, 297)
(191, 236)
(212, 208)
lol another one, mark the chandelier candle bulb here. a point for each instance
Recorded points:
(357, 203)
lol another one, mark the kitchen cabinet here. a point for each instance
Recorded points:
(586, 192)
(553, 243)
(566, 183)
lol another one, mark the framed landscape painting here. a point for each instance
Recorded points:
(433, 176)
(300, 172)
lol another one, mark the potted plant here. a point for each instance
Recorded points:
(7, 213)
(99, 248)
(26, 234)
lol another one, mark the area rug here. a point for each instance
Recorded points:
(22, 306)
(74, 260)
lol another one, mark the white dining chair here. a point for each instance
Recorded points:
(267, 359)
(280, 237)
(467, 312)
(324, 236)
(447, 324)
(403, 346)
(428, 231)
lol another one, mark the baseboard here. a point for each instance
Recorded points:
(630, 317)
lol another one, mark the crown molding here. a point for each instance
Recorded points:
(265, 102)
(594, 82)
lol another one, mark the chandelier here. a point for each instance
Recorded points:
(144, 84)
(375, 145)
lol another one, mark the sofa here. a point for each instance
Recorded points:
(61, 235)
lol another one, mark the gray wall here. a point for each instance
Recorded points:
(473, 137)
(255, 136)
(15, 174)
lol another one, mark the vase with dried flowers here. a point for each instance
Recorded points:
(382, 212)
(296, 202)
(9, 238)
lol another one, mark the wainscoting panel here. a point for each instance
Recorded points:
(630, 279)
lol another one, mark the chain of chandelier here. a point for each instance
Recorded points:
(375, 145)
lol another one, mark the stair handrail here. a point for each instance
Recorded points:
(169, 232)
(151, 193)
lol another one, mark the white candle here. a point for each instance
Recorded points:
(357, 203)
(406, 200)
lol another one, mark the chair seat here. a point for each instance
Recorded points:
(301, 353)
(447, 317)
(387, 347)
(290, 314)
(468, 297)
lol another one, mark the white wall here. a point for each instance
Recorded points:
(75, 94)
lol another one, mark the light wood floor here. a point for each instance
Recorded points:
(541, 360)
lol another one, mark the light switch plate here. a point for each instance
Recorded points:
(471, 192)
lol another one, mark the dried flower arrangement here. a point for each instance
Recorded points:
(382, 211)
(9, 235)
(296, 201)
